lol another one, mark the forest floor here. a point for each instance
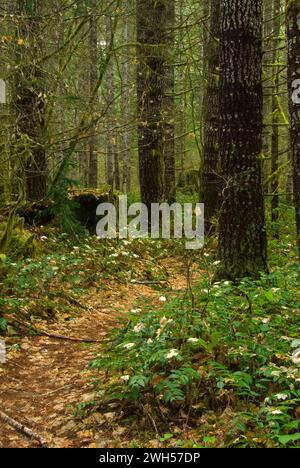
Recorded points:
(134, 344)
(46, 377)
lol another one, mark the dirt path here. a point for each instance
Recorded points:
(44, 380)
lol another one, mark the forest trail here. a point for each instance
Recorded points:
(43, 381)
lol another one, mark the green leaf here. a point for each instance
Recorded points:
(285, 439)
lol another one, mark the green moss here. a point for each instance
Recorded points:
(292, 7)
(20, 243)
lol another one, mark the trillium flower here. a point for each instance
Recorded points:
(125, 378)
(129, 345)
(193, 340)
(139, 327)
(276, 411)
(136, 311)
(164, 321)
(296, 356)
(281, 396)
(172, 353)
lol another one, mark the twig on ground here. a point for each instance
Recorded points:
(40, 331)
(22, 429)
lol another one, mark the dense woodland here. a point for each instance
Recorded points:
(142, 342)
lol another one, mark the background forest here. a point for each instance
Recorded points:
(140, 342)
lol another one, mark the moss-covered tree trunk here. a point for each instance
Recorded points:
(168, 103)
(151, 18)
(275, 119)
(210, 178)
(29, 96)
(293, 52)
(242, 236)
(93, 78)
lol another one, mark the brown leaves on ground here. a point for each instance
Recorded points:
(45, 378)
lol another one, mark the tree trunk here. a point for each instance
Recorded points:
(28, 98)
(168, 103)
(112, 161)
(275, 120)
(210, 177)
(151, 17)
(293, 52)
(242, 236)
(126, 100)
(93, 51)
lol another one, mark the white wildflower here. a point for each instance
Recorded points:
(296, 356)
(217, 262)
(276, 411)
(172, 353)
(193, 340)
(149, 341)
(206, 254)
(163, 299)
(139, 327)
(136, 311)
(281, 396)
(129, 345)
(164, 321)
(125, 378)
(114, 255)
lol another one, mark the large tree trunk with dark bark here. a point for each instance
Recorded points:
(293, 41)
(29, 97)
(151, 86)
(242, 236)
(210, 177)
(168, 103)
(93, 66)
(275, 120)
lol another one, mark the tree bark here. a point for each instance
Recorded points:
(126, 100)
(275, 120)
(293, 58)
(168, 103)
(151, 17)
(93, 65)
(112, 161)
(28, 97)
(210, 184)
(242, 236)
